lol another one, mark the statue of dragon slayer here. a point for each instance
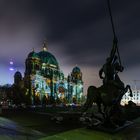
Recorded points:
(108, 96)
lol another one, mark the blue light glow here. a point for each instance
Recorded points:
(11, 69)
(11, 62)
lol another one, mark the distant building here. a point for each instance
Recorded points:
(135, 98)
(44, 79)
(5, 91)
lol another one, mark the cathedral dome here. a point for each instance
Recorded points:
(18, 74)
(33, 55)
(47, 58)
(17, 78)
(76, 70)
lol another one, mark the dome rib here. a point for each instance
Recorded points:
(48, 58)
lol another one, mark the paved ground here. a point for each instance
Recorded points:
(10, 130)
(130, 133)
(26, 125)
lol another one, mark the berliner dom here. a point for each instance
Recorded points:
(45, 81)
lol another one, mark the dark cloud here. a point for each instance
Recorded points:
(78, 32)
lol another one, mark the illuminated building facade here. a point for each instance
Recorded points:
(44, 79)
(135, 98)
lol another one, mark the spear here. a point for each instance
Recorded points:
(115, 41)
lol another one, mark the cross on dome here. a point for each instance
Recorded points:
(45, 45)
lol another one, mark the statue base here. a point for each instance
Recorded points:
(111, 130)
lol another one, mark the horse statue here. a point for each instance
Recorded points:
(109, 96)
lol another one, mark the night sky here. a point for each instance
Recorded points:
(78, 33)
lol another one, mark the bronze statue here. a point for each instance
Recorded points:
(111, 67)
(109, 95)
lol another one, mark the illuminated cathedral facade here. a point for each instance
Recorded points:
(44, 79)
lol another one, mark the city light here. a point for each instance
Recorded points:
(11, 69)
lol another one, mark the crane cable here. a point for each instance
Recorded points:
(115, 41)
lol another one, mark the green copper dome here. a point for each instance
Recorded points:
(18, 74)
(48, 58)
(76, 70)
(33, 55)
